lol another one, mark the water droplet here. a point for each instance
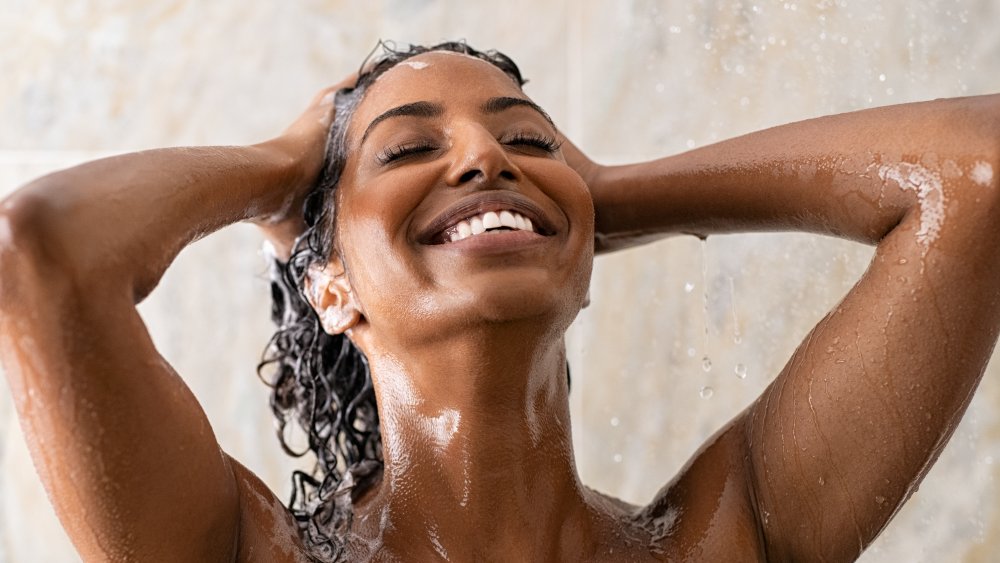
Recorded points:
(737, 337)
(881, 78)
(688, 287)
(741, 371)
(692, 352)
(822, 481)
(706, 392)
(617, 458)
(880, 500)
(902, 261)
(706, 364)
(615, 421)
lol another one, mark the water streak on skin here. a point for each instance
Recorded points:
(436, 542)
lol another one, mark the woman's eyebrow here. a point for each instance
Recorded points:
(499, 104)
(416, 109)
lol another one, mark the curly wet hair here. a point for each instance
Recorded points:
(321, 382)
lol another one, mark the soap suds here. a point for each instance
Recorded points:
(930, 195)
(982, 173)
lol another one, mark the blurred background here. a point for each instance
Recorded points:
(681, 335)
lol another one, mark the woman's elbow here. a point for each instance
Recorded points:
(29, 245)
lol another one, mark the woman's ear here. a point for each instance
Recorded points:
(329, 292)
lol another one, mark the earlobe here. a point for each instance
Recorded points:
(329, 292)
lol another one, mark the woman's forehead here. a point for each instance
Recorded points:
(441, 77)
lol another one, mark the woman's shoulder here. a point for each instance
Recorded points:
(708, 506)
(268, 531)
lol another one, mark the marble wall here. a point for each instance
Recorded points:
(627, 80)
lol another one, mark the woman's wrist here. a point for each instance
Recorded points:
(297, 165)
(280, 216)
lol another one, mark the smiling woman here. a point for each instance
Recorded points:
(434, 237)
(449, 230)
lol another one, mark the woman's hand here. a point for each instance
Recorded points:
(304, 141)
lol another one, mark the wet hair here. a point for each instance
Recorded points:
(321, 383)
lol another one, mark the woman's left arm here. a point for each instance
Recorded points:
(823, 175)
(853, 422)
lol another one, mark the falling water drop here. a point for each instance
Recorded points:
(737, 337)
(688, 287)
(706, 392)
(706, 363)
(617, 458)
(741, 371)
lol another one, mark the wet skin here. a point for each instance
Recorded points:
(465, 338)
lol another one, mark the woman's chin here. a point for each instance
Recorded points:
(517, 297)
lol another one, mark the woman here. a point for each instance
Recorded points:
(462, 329)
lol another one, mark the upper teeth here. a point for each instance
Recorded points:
(479, 224)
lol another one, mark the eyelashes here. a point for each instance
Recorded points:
(522, 140)
(396, 152)
(547, 144)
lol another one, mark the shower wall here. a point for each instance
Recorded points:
(681, 335)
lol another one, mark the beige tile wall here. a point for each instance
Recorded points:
(627, 80)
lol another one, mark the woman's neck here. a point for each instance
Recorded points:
(477, 445)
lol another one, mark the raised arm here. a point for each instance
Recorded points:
(122, 446)
(847, 430)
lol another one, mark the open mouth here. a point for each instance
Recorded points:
(489, 213)
(487, 223)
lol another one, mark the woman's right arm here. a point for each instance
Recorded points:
(818, 465)
(120, 443)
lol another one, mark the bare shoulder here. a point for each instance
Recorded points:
(268, 532)
(707, 512)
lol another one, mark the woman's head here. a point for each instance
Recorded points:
(429, 141)
(434, 141)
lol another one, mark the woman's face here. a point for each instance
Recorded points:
(438, 144)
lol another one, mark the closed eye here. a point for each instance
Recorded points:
(547, 144)
(397, 152)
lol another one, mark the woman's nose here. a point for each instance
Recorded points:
(480, 158)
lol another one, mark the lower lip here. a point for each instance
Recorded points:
(502, 241)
